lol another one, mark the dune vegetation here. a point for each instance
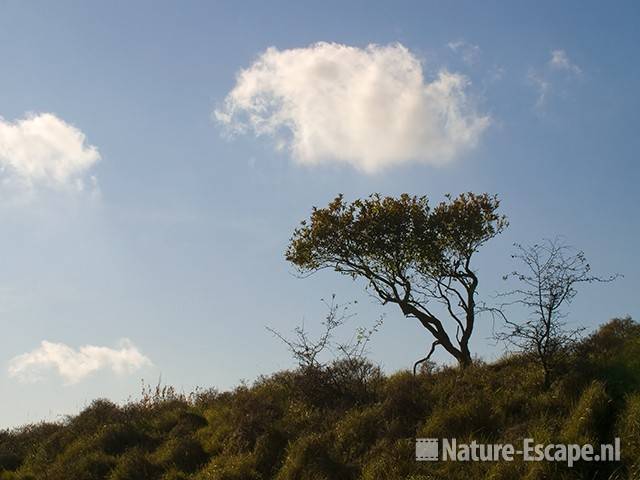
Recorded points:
(347, 421)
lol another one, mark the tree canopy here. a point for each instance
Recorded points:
(409, 253)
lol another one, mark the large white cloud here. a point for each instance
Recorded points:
(74, 365)
(43, 150)
(368, 107)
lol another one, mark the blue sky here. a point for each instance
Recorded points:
(171, 234)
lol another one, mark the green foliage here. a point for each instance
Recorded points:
(229, 467)
(182, 453)
(472, 415)
(269, 452)
(394, 234)
(356, 432)
(133, 465)
(188, 422)
(405, 403)
(301, 425)
(390, 459)
(174, 475)
(613, 354)
(408, 253)
(312, 457)
(628, 430)
(116, 438)
(87, 465)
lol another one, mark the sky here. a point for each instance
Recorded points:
(155, 159)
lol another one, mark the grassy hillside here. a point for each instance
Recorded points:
(352, 423)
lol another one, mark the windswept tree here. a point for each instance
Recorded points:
(548, 281)
(409, 253)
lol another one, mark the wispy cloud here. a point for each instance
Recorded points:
(542, 85)
(41, 150)
(370, 108)
(558, 71)
(74, 365)
(469, 52)
(560, 61)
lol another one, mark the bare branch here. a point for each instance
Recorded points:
(307, 351)
(425, 359)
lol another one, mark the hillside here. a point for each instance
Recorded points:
(351, 423)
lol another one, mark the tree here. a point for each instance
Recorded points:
(409, 254)
(549, 279)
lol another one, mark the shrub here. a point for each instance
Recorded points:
(229, 467)
(390, 459)
(356, 380)
(613, 354)
(101, 412)
(41, 440)
(9, 461)
(216, 434)
(628, 429)
(254, 412)
(311, 458)
(358, 431)
(184, 454)
(187, 423)
(269, 453)
(134, 465)
(174, 474)
(87, 466)
(405, 403)
(115, 439)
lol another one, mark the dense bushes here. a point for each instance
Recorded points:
(348, 424)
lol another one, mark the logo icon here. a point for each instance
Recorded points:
(426, 449)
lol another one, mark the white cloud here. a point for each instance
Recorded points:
(41, 150)
(368, 107)
(74, 365)
(469, 52)
(560, 60)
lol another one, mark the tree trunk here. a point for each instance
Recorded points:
(464, 360)
(462, 354)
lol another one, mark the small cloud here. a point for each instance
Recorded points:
(542, 86)
(469, 52)
(371, 108)
(74, 365)
(496, 73)
(560, 61)
(41, 150)
(553, 78)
